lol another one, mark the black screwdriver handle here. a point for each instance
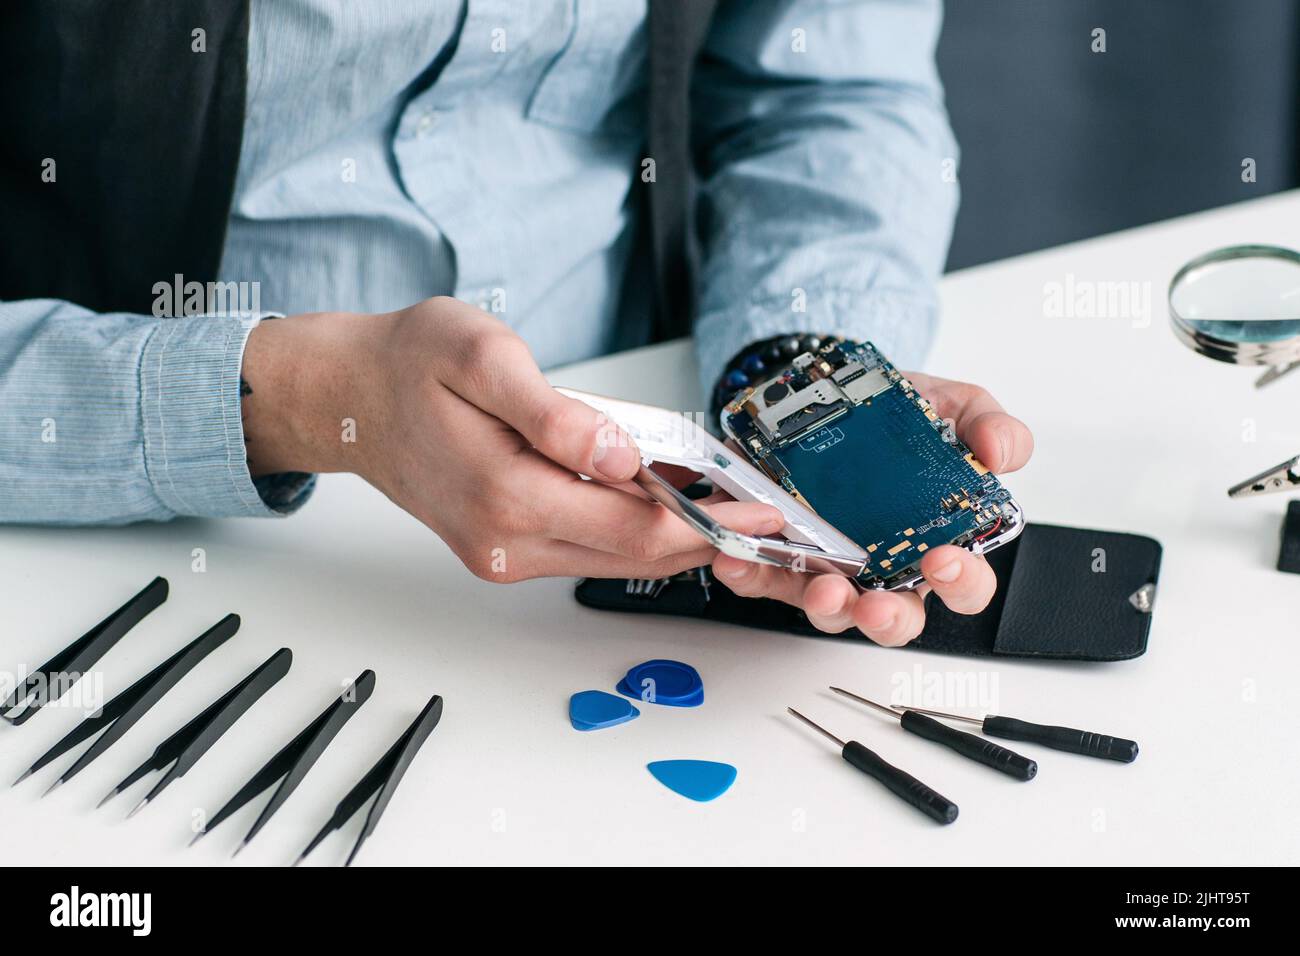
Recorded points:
(970, 746)
(1063, 738)
(902, 785)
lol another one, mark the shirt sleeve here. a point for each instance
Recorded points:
(828, 175)
(114, 418)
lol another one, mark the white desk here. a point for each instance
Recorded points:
(1133, 432)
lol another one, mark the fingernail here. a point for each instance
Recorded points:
(1005, 442)
(769, 526)
(615, 460)
(734, 573)
(946, 574)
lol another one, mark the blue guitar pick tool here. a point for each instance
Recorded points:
(670, 683)
(699, 780)
(595, 709)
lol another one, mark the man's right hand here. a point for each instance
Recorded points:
(441, 407)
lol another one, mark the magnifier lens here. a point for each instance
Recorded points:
(1240, 304)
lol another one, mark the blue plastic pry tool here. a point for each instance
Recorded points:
(595, 709)
(699, 780)
(670, 683)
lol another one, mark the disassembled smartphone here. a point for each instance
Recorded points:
(866, 474)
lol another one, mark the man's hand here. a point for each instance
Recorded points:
(441, 407)
(963, 581)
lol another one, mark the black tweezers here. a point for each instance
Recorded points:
(121, 713)
(183, 749)
(295, 759)
(71, 663)
(383, 778)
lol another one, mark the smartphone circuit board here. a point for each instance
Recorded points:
(847, 434)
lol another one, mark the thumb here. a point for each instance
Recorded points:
(569, 432)
(747, 517)
(572, 434)
(575, 435)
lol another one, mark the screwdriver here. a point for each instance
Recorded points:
(1058, 738)
(968, 745)
(903, 785)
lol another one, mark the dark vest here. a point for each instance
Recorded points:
(144, 136)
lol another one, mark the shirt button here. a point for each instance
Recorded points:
(425, 124)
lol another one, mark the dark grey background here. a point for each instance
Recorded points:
(1060, 143)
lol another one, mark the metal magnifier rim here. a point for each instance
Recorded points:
(1275, 354)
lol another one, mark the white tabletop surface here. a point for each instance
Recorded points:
(1134, 433)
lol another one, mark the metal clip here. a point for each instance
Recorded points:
(1143, 598)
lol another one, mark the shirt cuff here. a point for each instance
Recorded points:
(193, 434)
(900, 326)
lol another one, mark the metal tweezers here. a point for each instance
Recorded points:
(121, 713)
(66, 668)
(383, 779)
(182, 750)
(295, 759)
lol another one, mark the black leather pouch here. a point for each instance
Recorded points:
(1063, 593)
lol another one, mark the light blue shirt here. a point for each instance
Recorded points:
(487, 150)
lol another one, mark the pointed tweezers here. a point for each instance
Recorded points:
(122, 712)
(295, 759)
(182, 750)
(382, 778)
(67, 667)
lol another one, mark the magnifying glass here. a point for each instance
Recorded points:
(1241, 304)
